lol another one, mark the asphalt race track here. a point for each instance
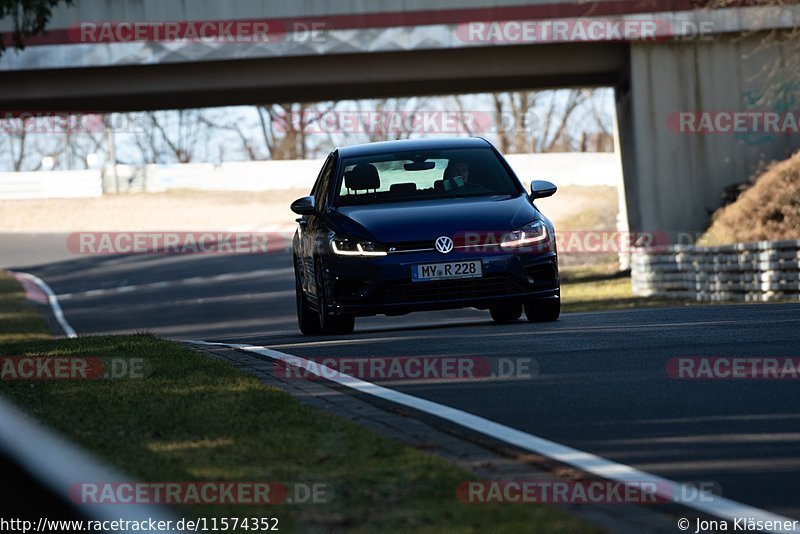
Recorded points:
(601, 383)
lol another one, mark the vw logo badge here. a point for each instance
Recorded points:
(444, 244)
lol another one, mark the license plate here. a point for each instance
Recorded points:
(446, 271)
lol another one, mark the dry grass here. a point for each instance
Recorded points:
(177, 210)
(768, 211)
(583, 208)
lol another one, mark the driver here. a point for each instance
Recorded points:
(456, 174)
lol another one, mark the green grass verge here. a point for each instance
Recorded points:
(600, 288)
(19, 321)
(194, 419)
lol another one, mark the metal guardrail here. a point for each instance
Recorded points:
(50, 184)
(751, 272)
(39, 469)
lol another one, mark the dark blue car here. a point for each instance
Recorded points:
(402, 226)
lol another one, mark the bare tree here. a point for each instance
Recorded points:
(598, 135)
(29, 18)
(538, 121)
(287, 129)
(24, 144)
(511, 111)
(462, 115)
(555, 136)
(780, 77)
(178, 133)
(169, 136)
(249, 146)
(146, 140)
(386, 119)
(17, 145)
(283, 129)
(74, 147)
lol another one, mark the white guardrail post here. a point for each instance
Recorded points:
(750, 272)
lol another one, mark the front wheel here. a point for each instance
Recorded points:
(506, 314)
(307, 319)
(331, 324)
(540, 311)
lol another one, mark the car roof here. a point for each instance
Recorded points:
(388, 147)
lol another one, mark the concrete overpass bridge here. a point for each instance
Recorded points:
(662, 58)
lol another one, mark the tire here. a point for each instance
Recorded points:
(307, 319)
(342, 325)
(543, 310)
(507, 313)
(331, 324)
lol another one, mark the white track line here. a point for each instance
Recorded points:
(174, 283)
(53, 300)
(666, 489)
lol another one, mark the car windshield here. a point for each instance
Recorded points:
(422, 175)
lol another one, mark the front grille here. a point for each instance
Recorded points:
(407, 246)
(410, 292)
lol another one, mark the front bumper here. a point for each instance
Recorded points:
(372, 286)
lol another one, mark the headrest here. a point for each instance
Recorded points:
(363, 176)
(409, 187)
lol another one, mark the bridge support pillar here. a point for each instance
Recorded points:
(674, 177)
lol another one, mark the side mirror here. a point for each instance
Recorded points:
(304, 206)
(542, 188)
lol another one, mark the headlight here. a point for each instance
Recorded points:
(535, 232)
(344, 246)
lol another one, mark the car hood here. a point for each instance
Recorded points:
(427, 220)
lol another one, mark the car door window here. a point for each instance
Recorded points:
(320, 191)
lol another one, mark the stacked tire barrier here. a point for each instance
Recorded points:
(750, 272)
